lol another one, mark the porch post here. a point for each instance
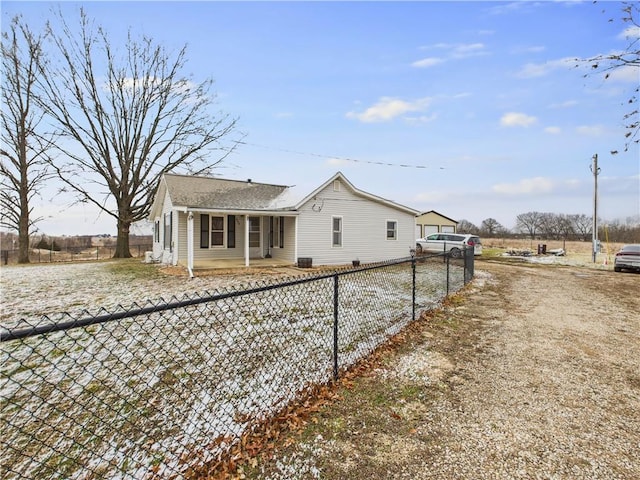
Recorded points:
(295, 239)
(246, 240)
(190, 243)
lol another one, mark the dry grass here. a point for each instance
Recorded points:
(579, 251)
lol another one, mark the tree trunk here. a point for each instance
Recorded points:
(23, 247)
(122, 242)
(23, 227)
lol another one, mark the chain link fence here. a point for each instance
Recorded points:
(169, 389)
(71, 254)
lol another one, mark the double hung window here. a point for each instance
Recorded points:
(215, 228)
(392, 230)
(336, 231)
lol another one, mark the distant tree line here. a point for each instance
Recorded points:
(557, 226)
(9, 241)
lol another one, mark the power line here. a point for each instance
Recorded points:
(346, 159)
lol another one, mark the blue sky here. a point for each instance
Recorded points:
(484, 97)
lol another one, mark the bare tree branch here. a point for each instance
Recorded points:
(609, 64)
(24, 150)
(125, 120)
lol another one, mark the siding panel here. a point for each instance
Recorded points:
(364, 229)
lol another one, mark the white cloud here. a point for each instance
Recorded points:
(510, 7)
(553, 130)
(590, 130)
(389, 108)
(534, 70)
(525, 186)
(421, 119)
(338, 162)
(468, 50)
(521, 49)
(452, 51)
(516, 119)
(434, 196)
(566, 104)
(625, 74)
(427, 62)
(630, 33)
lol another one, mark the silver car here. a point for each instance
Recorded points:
(628, 258)
(453, 243)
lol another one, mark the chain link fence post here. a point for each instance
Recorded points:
(335, 327)
(447, 259)
(413, 284)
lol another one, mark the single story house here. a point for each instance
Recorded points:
(434, 222)
(202, 219)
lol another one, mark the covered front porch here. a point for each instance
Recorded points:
(238, 263)
(234, 239)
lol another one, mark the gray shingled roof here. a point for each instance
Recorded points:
(214, 193)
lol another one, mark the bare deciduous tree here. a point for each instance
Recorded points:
(490, 227)
(529, 222)
(467, 227)
(23, 150)
(125, 121)
(582, 225)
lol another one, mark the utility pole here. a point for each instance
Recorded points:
(594, 233)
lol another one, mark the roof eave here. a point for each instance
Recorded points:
(239, 211)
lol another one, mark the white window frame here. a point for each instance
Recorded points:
(340, 231)
(212, 231)
(253, 234)
(395, 230)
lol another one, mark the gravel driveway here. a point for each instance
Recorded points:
(533, 373)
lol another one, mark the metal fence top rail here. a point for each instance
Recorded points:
(20, 333)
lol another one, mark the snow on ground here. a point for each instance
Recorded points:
(603, 261)
(198, 372)
(36, 290)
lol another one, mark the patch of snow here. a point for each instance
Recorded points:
(147, 391)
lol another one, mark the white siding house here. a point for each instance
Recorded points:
(200, 219)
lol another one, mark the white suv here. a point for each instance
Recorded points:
(453, 243)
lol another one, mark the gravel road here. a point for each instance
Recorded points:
(533, 374)
(555, 393)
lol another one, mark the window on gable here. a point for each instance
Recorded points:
(336, 231)
(336, 185)
(392, 230)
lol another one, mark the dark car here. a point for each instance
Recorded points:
(628, 258)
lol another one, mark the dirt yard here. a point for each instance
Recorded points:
(532, 372)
